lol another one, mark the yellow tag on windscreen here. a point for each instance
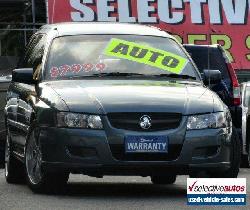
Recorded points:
(146, 55)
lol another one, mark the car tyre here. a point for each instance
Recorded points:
(163, 180)
(245, 160)
(38, 178)
(2, 156)
(235, 158)
(14, 169)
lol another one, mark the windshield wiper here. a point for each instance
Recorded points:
(117, 74)
(124, 74)
(181, 76)
(111, 74)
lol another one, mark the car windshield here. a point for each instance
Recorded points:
(122, 55)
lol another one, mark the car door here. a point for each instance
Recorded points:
(245, 112)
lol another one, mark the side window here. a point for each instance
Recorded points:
(23, 60)
(34, 54)
(28, 60)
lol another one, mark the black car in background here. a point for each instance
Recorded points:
(7, 64)
(4, 84)
(113, 99)
(210, 58)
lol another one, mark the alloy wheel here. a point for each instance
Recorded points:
(33, 160)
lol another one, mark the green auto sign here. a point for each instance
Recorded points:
(146, 55)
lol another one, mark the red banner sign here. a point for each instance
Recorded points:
(226, 22)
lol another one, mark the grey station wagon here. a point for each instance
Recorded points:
(113, 99)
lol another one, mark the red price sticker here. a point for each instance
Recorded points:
(54, 72)
(76, 69)
(100, 67)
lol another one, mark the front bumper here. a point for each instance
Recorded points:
(90, 151)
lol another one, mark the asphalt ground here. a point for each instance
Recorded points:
(111, 192)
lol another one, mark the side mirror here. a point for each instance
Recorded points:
(23, 76)
(211, 76)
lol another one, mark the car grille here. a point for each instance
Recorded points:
(118, 152)
(159, 121)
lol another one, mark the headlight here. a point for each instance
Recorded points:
(213, 120)
(74, 120)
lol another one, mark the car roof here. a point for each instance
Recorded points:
(78, 28)
(246, 84)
